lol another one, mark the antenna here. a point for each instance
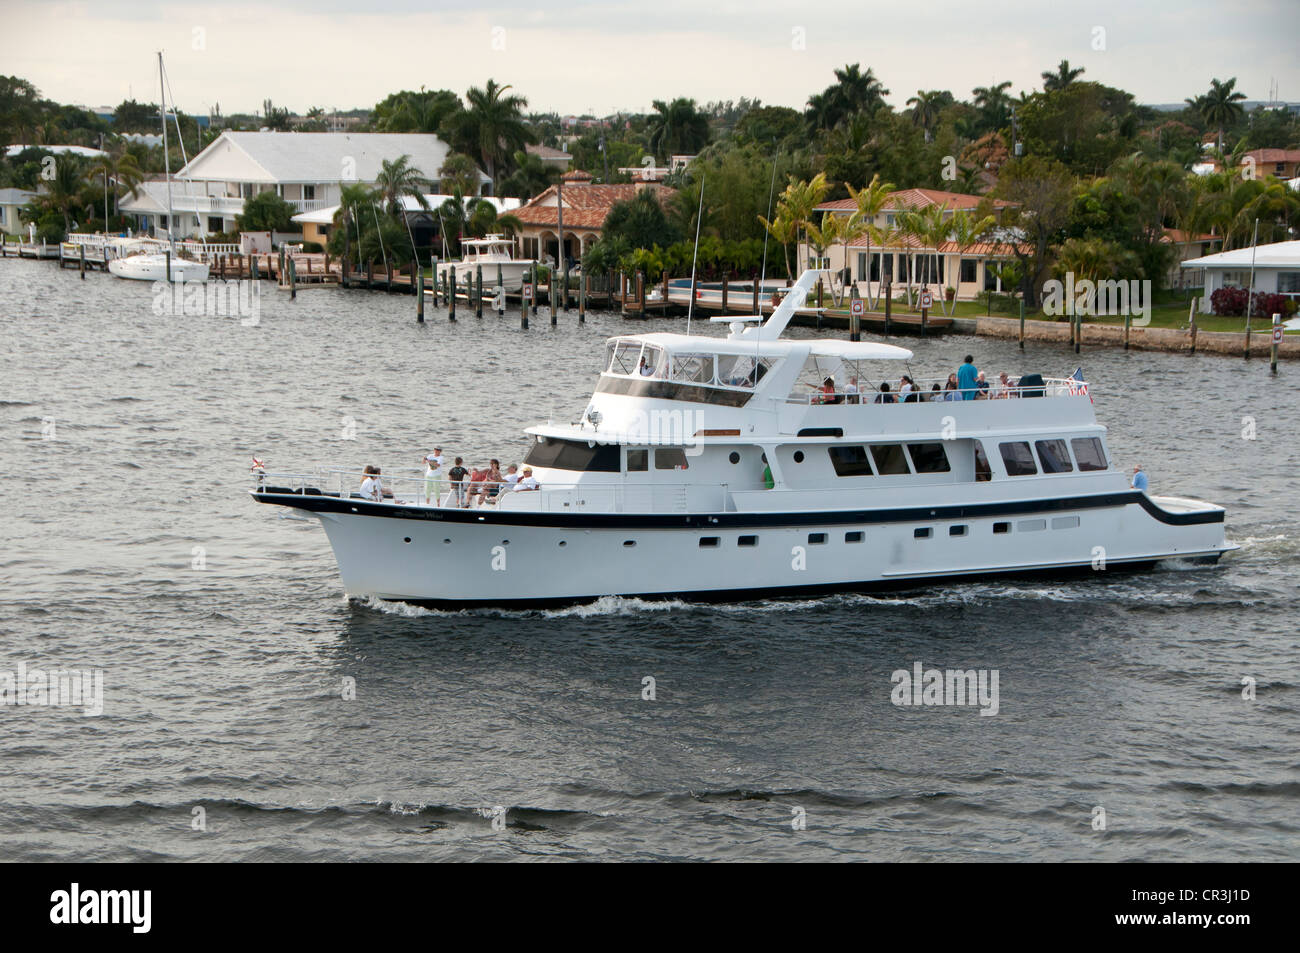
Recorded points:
(699, 217)
(771, 193)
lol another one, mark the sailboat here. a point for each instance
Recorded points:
(155, 265)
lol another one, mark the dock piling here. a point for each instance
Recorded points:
(1272, 360)
(478, 291)
(81, 261)
(417, 274)
(451, 294)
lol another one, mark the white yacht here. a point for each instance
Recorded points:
(752, 465)
(495, 254)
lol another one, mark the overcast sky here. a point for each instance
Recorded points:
(602, 57)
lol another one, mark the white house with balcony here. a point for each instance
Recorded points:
(306, 169)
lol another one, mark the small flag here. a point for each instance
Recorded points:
(257, 465)
(1078, 386)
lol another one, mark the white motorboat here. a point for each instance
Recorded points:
(757, 465)
(495, 255)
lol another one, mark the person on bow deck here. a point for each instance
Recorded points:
(1139, 478)
(967, 376)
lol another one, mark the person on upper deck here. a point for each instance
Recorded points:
(935, 393)
(372, 488)
(966, 377)
(827, 394)
(457, 476)
(1003, 387)
(491, 485)
(851, 392)
(981, 387)
(1139, 478)
(950, 391)
(768, 481)
(884, 397)
(528, 482)
(645, 370)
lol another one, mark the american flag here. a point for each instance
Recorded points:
(1078, 386)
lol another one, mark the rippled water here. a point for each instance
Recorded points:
(223, 684)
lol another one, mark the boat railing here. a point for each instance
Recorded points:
(870, 393)
(412, 487)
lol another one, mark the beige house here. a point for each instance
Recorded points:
(586, 206)
(12, 202)
(870, 264)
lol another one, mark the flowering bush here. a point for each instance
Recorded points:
(1232, 301)
(1228, 301)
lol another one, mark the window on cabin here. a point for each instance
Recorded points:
(850, 461)
(693, 368)
(573, 455)
(741, 370)
(983, 472)
(623, 357)
(1018, 458)
(854, 536)
(816, 539)
(747, 541)
(929, 457)
(889, 458)
(923, 532)
(1088, 453)
(670, 458)
(638, 461)
(1054, 456)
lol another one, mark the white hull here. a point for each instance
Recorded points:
(452, 559)
(154, 268)
(512, 273)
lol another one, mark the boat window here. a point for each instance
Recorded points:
(889, 458)
(817, 539)
(1089, 453)
(1018, 458)
(1055, 458)
(710, 541)
(850, 461)
(929, 457)
(670, 458)
(623, 357)
(959, 530)
(741, 370)
(923, 532)
(853, 536)
(1001, 527)
(1065, 522)
(573, 455)
(747, 541)
(653, 359)
(638, 461)
(1031, 526)
(693, 368)
(983, 472)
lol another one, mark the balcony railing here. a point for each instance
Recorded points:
(233, 205)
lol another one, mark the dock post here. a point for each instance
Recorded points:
(694, 288)
(582, 298)
(640, 291)
(855, 322)
(524, 288)
(169, 264)
(388, 277)
(81, 261)
(754, 277)
(1022, 324)
(433, 264)
(417, 274)
(252, 268)
(451, 294)
(370, 275)
(532, 299)
(889, 304)
(1078, 330)
(478, 291)
(1128, 321)
(501, 293)
(820, 300)
(293, 279)
(1272, 359)
(550, 293)
(726, 279)
(1192, 326)
(564, 290)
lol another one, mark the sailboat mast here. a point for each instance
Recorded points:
(167, 164)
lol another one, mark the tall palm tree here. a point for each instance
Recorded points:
(352, 200)
(492, 126)
(532, 176)
(870, 201)
(398, 180)
(994, 103)
(852, 92)
(1062, 78)
(116, 172)
(677, 127)
(926, 106)
(1221, 106)
(964, 230)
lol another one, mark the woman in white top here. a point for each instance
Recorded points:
(372, 486)
(432, 479)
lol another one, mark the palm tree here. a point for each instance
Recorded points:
(852, 92)
(926, 106)
(458, 171)
(1062, 78)
(1221, 106)
(120, 171)
(677, 127)
(532, 176)
(493, 127)
(398, 180)
(64, 193)
(994, 103)
(964, 231)
(352, 199)
(870, 202)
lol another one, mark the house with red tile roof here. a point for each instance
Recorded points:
(870, 264)
(1283, 163)
(585, 206)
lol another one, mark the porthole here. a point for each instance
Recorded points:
(798, 456)
(446, 541)
(629, 543)
(816, 539)
(563, 543)
(923, 532)
(1001, 527)
(406, 539)
(707, 542)
(734, 457)
(747, 541)
(957, 530)
(853, 537)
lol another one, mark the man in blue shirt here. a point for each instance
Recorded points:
(967, 374)
(1139, 479)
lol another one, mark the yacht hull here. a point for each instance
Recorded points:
(154, 268)
(449, 558)
(512, 274)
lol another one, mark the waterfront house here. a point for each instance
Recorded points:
(12, 201)
(306, 169)
(968, 270)
(1276, 270)
(1283, 163)
(317, 224)
(586, 206)
(557, 158)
